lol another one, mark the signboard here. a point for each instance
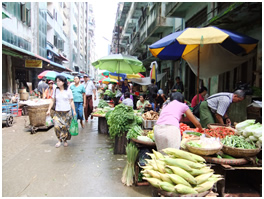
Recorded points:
(33, 63)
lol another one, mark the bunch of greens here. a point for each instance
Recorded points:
(194, 144)
(238, 142)
(129, 171)
(109, 93)
(139, 120)
(134, 132)
(107, 115)
(120, 120)
(102, 104)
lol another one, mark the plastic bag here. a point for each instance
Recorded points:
(49, 121)
(74, 129)
(118, 93)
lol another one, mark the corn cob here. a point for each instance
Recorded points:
(165, 178)
(202, 178)
(192, 164)
(197, 172)
(180, 188)
(157, 154)
(184, 174)
(177, 163)
(204, 186)
(153, 181)
(178, 180)
(167, 187)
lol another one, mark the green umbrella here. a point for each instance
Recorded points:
(120, 64)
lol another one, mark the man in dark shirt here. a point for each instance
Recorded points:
(159, 99)
(42, 87)
(152, 89)
(178, 86)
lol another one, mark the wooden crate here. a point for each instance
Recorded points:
(254, 112)
(120, 144)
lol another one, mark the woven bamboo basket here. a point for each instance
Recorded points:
(240, 153)
(202, 151)
(37, 115)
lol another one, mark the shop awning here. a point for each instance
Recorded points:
(50, 49)
(62, 57)
(10, 49)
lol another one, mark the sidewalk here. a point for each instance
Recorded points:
(33, 167)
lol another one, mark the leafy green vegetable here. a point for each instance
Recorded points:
(107, 115)
(139, 120)
(194, 144)
(134, 132)
(109, 93)
(193, 133)
(102, 104)
(121, 120)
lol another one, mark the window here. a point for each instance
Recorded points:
(23, 12)
(198, 19)
(28, 17)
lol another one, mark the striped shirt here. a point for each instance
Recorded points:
(220, 102)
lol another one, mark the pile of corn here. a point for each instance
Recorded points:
(179, 172)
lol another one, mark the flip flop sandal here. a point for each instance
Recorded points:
(58, 145)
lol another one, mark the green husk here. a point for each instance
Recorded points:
(129, 172)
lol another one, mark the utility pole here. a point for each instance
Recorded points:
(118, 36)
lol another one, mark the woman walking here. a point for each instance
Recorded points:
(63, 98)
(79, 98)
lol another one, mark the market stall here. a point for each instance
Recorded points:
(219, 165)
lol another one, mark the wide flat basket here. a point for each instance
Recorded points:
(37, 115)
(240, 153)
(216, 125)
(202, 151)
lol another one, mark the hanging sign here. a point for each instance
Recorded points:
(33, 63)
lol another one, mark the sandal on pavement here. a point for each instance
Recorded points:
(58, 144)
(65, 144)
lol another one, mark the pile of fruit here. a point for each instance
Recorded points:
(179, 172)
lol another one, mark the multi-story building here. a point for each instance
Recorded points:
(143, 23)
(55, 35)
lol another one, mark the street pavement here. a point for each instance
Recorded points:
(33, 167)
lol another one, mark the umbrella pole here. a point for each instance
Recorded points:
(198, 74)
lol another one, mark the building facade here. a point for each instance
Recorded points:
(143, 23)
(56, 35)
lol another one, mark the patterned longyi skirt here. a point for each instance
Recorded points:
(62, 121)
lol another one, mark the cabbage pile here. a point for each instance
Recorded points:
(250, 131)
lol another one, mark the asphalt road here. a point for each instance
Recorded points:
(33, 167)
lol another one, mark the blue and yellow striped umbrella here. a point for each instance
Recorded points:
(219, 50)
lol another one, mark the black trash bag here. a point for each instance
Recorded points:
(142, 156)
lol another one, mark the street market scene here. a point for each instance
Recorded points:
(131, 99)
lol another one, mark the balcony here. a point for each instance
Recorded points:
(154, 25)
(178, 9)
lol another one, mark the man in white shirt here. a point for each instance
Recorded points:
(90, 89)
